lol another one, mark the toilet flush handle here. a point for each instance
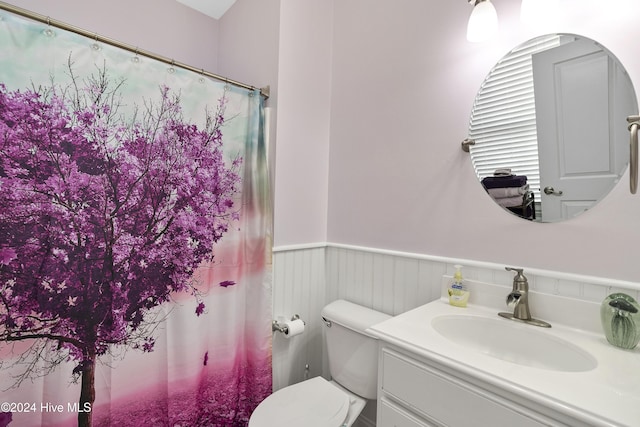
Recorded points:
(326, 322)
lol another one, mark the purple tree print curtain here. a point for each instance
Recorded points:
(134, 239)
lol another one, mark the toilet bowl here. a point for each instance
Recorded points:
(353, 365)
(315, 402)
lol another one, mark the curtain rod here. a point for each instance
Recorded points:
(58, 24)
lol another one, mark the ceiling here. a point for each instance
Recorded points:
(212, 8)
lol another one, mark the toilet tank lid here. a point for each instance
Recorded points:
(353, 316)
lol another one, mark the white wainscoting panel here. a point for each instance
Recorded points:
(298, 288)
(387, 283)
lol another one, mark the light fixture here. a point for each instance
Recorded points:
(483, 22)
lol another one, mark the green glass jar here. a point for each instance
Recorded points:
(620, 316)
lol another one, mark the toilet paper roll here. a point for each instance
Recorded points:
(294, 327)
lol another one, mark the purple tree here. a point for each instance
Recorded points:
(102, 218)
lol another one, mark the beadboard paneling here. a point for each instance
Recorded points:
(390, 284)
(299, 288)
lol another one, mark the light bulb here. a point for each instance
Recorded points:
(483, 22)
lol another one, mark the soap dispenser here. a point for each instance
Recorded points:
(458, 291)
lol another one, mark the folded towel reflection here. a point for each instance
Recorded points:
(504, 181)
(499, 193)
(508, 202)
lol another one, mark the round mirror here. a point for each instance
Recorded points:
(550, 129)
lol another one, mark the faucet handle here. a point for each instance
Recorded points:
(519, 281)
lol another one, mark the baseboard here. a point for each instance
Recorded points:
(363, 421)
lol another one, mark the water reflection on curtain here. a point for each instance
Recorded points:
(135, 266)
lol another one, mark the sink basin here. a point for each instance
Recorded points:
(514, 342)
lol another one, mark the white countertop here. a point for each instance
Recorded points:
(608, 395)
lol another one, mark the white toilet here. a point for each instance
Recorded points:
(353, 364)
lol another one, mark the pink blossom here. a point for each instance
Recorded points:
(7, 255)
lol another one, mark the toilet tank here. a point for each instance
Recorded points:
(353, 354)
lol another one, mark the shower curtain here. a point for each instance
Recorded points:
(135, 266)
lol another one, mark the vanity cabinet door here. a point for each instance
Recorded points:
(446, 399)
(390, 415)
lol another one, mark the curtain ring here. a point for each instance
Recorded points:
(135, 58)
(48, 32)
(95, 45)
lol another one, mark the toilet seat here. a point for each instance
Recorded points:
(311, 403)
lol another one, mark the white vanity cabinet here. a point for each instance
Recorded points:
(447, 366)
(482, 370)
(414, 392)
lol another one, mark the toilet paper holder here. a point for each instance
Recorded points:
(277, 326)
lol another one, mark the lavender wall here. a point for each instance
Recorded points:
(304, 105)
(247, 43)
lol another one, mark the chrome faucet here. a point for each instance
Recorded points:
(519, 300)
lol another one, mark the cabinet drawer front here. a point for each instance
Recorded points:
(390, 415)
(447, 399)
